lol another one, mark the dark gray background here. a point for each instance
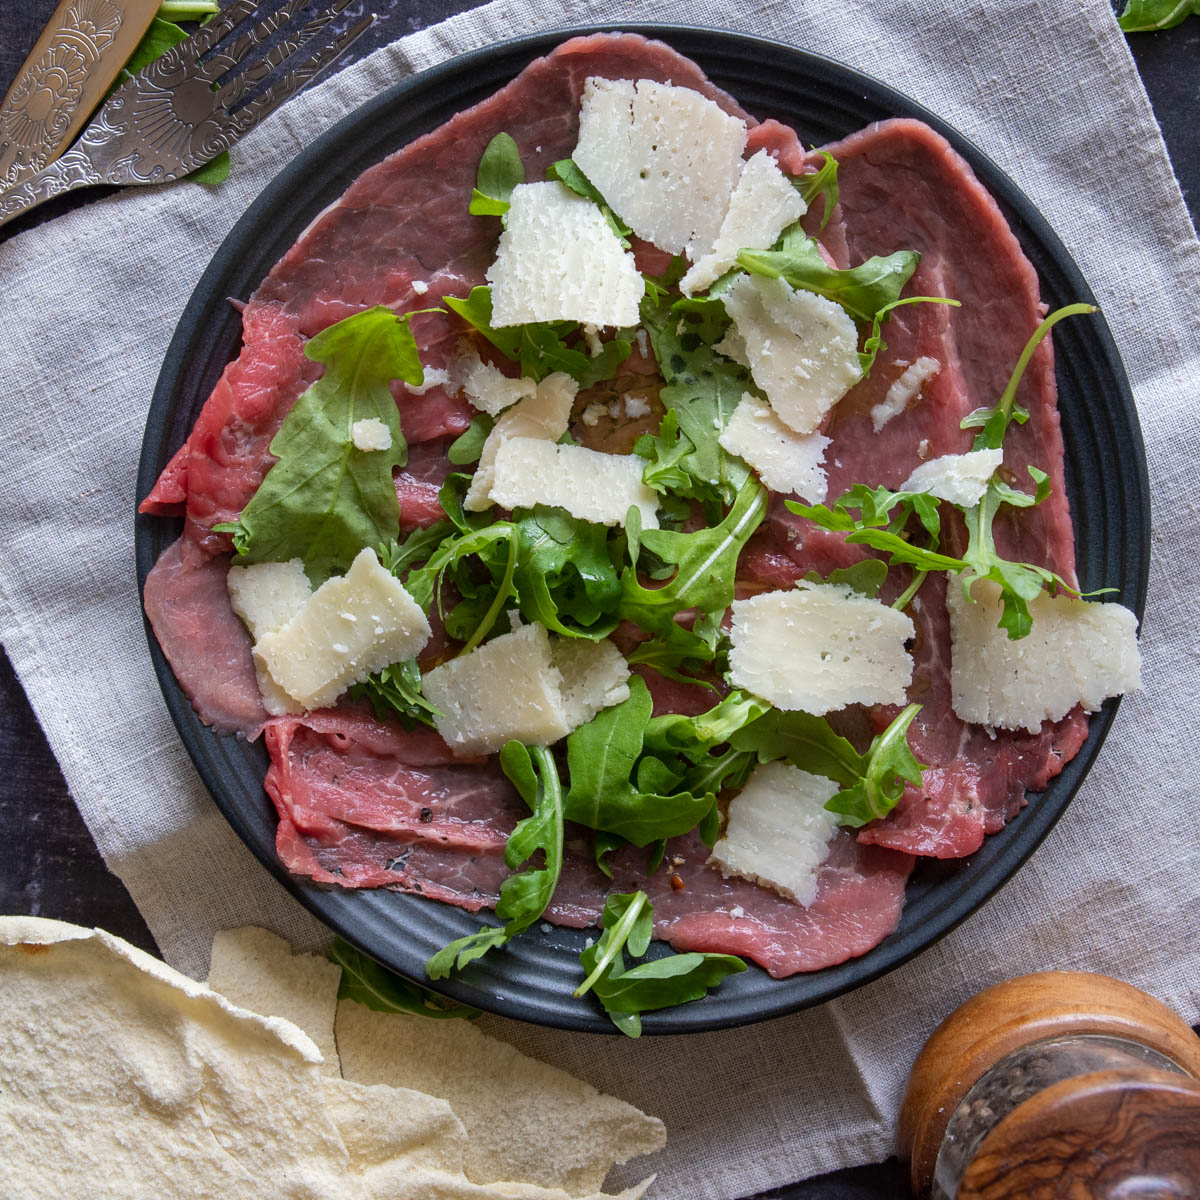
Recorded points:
(49, 865)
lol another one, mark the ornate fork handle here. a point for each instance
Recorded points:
(73, 170)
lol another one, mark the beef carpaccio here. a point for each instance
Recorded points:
(366, 803)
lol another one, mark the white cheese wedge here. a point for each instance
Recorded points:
(543, 415)
(906, 387)
(801, 348)
(665, 158)
(820, 647)
(764, 203)
(526, 685)
(487, 387)
(786, 462)
(595, 675)
(508, 688)
(587, 483)
(959, 478)
(432, 377)
(267, 596)
(1078, 652)
(778, 831)
(351, 625)
(558, 260)
(371, 434)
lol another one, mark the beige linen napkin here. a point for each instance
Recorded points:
(90, 300)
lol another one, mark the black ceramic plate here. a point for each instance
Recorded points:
(1106, 476)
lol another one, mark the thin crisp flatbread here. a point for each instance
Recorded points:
(119, 1077)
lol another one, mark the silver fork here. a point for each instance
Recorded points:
(191, 103)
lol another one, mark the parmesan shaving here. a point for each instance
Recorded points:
(778, 831)
(801, 348)
(764, 203)
(351, 625)
(558, 260)
(959, 478)
(904, 388)
(587, 483)
(487, 387)
(786, 462)
(665, 158)
(1078, 652)
(819, 648)
(543, 415)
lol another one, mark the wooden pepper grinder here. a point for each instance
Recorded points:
(1056, 1085)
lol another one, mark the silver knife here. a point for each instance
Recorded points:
(65, 77)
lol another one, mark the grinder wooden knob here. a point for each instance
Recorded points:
(1026, 1070)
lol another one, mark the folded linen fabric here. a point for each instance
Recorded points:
(1053, 96)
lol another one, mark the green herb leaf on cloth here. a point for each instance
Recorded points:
(364, 980)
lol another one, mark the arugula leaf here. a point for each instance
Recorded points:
(871, 784)
(628, 923)
(824, 183)
(325, 500)
(874, 342)
(694, 737)
(540, 347)
(524, 896)
(702, 388)
(882, 515)
(602, 762)
(705, 563)
(565, 577)
(1142, 16)
(365, 981)
(880, 523)
(993, 423)
(863, 291)
(468, 446)
(396, 691)
(890, 763)
(500, 170)
(567, 172)
(865, 577)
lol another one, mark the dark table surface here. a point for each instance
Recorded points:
(49, 865)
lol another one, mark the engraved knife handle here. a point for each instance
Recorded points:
(73, 170)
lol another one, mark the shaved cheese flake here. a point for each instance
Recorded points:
(665, 158)
(1079, 652)
(801, 348)
(907, 386)
(595, 675)
(959, 478)
(268, 595)
(778, 831)
(786, 462)
(433, 377)
(558, 260)
(507, 688)
(371, 434)
(351, 625)
(543, 415)
(587, 483)
(819, 648)
(487, 387)
(764, 203)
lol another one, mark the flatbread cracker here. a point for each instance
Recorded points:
(121, 1077)
(257, 970)
(524, 1119)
